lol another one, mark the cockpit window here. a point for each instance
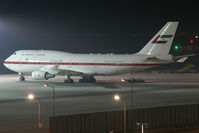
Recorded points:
(15, 53)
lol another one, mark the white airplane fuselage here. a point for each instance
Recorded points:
(28, 61)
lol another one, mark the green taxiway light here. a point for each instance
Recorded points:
(176, 47)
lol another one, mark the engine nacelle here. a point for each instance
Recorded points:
(40, 75)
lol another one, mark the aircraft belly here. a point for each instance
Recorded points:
(139, 68)
(115, 70)
(98, 70)
(112, 70)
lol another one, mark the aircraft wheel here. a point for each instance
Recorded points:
(71, 81)
(87, 80)
(68, 81)
(22, 79)
(81, 81)
(92, 80)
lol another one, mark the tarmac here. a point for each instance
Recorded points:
(20, 115)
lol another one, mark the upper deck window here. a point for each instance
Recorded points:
(27, 54)
(40, 54)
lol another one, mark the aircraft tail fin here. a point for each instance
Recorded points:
(161, 43)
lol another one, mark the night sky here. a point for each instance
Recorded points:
(88, 26)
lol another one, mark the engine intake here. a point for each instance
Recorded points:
(40, 75)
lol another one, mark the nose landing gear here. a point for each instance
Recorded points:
(21, 78)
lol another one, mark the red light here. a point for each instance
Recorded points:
(191, 41)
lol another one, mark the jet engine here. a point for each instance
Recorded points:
(41, 75)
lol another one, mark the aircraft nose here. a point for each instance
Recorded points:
(5, 62)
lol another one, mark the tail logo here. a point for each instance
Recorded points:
(161, 39)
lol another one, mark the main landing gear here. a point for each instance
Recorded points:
(87, 79)
(21, 78)
(68, 79)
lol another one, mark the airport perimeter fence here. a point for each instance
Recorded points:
(104, 122)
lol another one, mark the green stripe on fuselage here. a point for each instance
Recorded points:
(166, 36)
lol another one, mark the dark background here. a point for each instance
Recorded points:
(90, 26)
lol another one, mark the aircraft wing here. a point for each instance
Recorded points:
(73, 71)
(51, 69)
(56, 69)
